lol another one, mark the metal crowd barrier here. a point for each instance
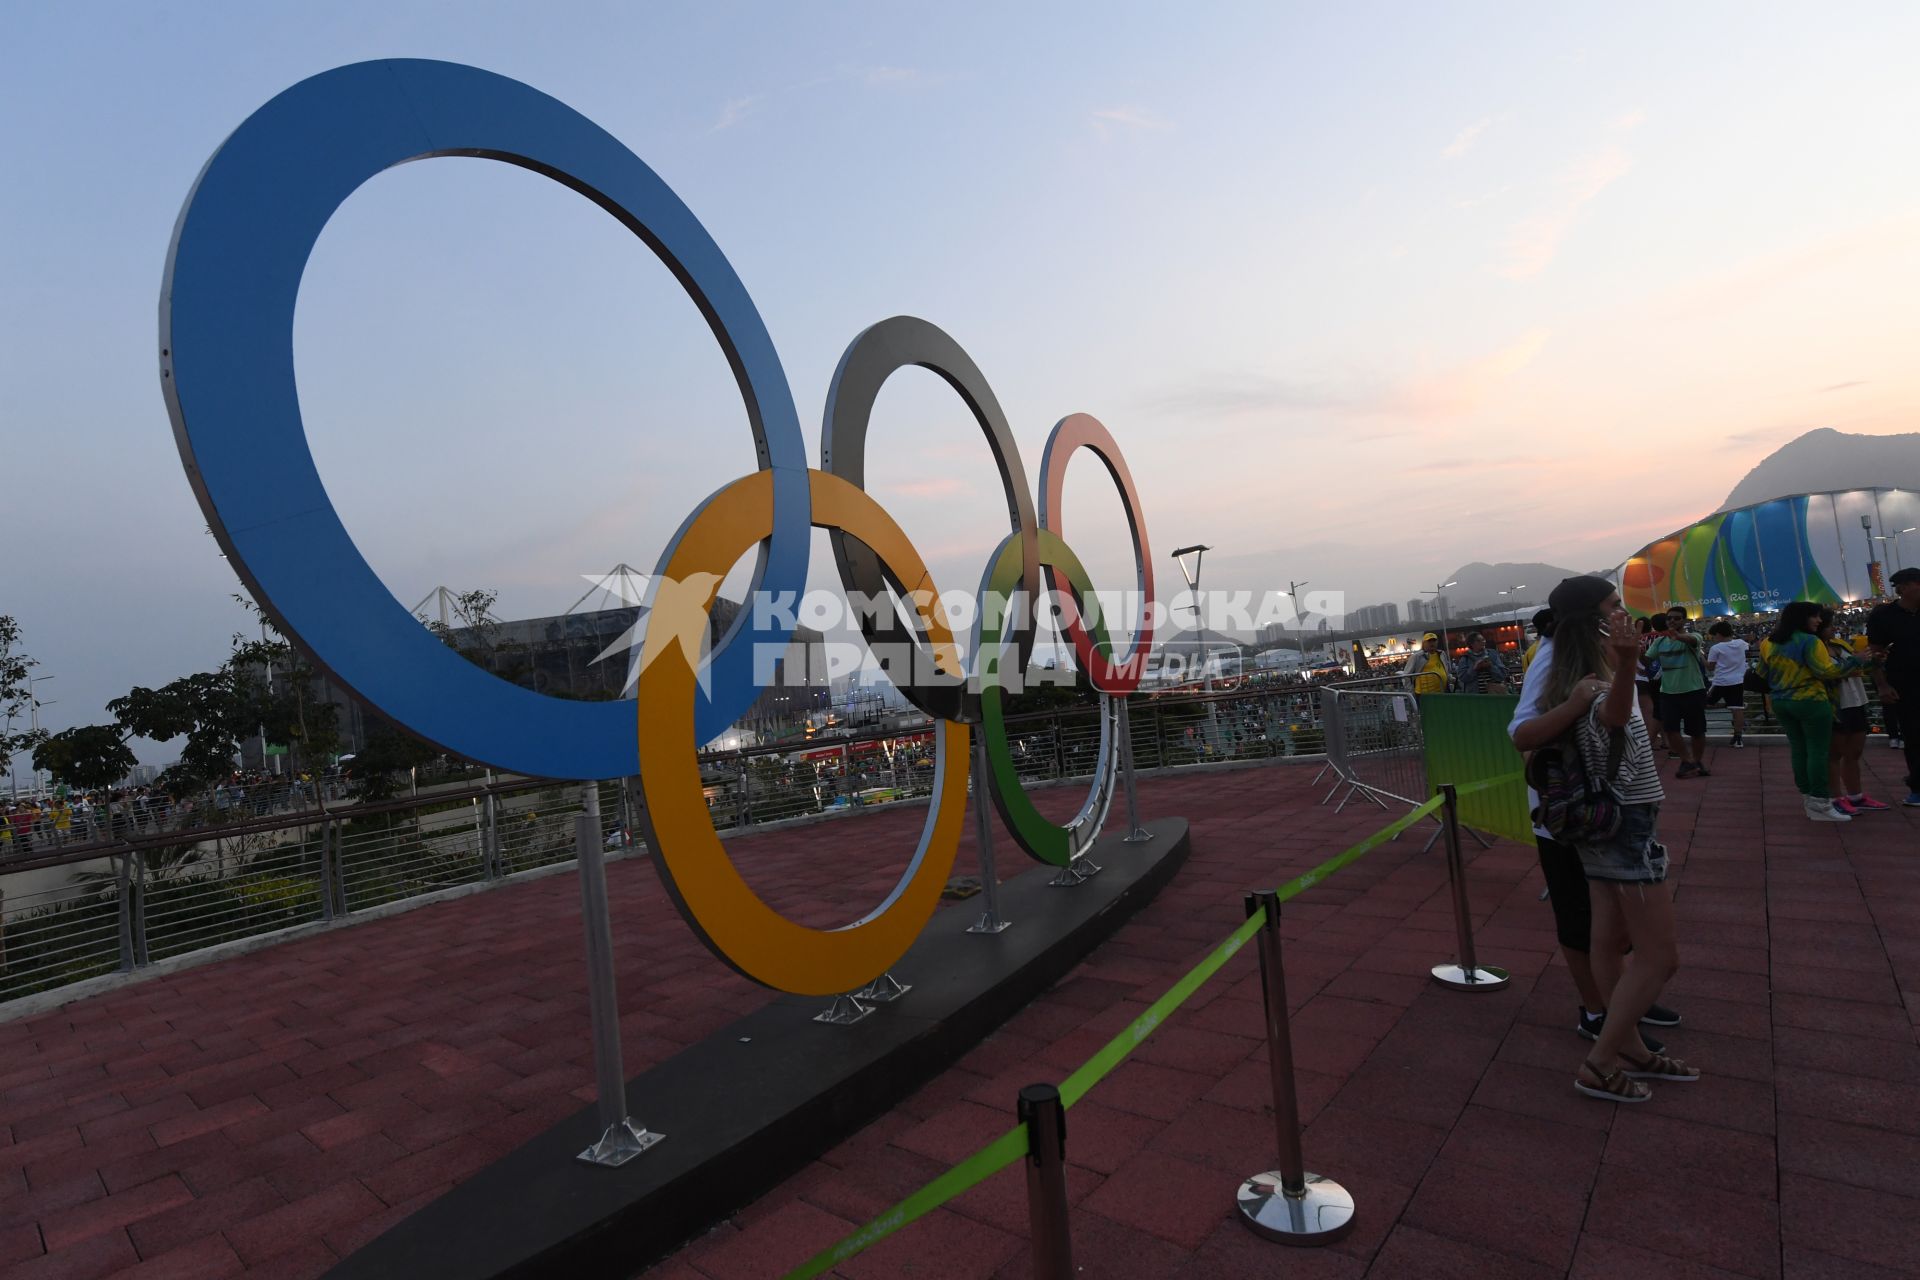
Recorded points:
(1374, 742)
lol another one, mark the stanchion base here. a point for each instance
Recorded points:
(1321, 1215)
(843, 1012)
(1139, 835)
(1484, 978)
(1077, 872)
(882, 990)
(619, 1144)
(989, 923)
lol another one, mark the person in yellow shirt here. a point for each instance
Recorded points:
(1428, 668)
(62, 820)
(1801, 672)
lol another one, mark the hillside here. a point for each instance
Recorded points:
(1827, 459)
(1480, 585)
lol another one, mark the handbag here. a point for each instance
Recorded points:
(1575, 806)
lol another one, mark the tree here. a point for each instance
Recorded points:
(386, 755)
(92, 758)
(206, 709)
(16, 692)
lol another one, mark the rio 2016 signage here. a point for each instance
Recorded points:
(226, 360)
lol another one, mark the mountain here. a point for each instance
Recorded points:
(1827, 459)
(1479, 585)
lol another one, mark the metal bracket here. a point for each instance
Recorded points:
(844, 1011)
(1077, 872)
(620, 1143)
(884, 989)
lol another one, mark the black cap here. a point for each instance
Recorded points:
(1543, 620)
(1901, 577)
(1584, 594)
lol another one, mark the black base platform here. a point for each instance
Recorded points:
(748, 1107)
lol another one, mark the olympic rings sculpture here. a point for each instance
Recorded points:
(226, 366)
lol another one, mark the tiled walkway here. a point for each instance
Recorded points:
(269, 1113)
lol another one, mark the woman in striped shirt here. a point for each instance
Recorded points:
(1591, 706)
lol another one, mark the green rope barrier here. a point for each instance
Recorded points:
(1012, 1145)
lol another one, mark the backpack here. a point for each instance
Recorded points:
(1575, 806)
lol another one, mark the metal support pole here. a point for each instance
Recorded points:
(990, 920)
(490, 834)
(1136, 833)
(622, 1139)
(1046, 1120)
(139, 912)
(1287, 1205)
(326, 871)
(125, 911)
(1469, 974)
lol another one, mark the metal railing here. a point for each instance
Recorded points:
(1374, 742)
(146, 894)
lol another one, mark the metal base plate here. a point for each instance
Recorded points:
(882, 990)
(1077, 872)
(843, 1012)
(988, 923)
(1322, 1215)
(1484, 978)
(1139, 835)
(620, 1143)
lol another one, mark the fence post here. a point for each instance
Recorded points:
(1136, 834)
(123, 876)
(139, 912)
(326, 869)
(1046, 1120)
(989, 921)
(1287, 1205)
(740, 809)
(1468, 974)
(621, 1139)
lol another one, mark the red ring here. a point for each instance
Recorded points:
(1084, 431)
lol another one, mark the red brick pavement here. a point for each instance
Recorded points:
(268, 1114)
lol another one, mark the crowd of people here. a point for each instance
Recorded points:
(1594, 686)
(63, 817)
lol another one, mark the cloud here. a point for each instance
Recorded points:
(1234, 394)
(1631, 120)
(1842, 386)
(1769, 434)
(1464, 140)
(1478, 464)
(1466, 387)
(934, 487)
(891, 77)
(1535, 242)
(1135, 118)
(735, 110)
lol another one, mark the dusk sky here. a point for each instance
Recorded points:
(1364, 292)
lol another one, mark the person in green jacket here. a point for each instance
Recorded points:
(1801, 672)
(1683, 693)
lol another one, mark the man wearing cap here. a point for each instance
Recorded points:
(1542, 628)
(1427, 668)
(1893, 632)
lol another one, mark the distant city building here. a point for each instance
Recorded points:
(1374, 617)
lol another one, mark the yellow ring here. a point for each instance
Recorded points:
(739, 927)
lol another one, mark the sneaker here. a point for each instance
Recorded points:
(1913, 800)
(1658, 1015)
(1590, 1024)
(1863, 803)
(1845, 806)
(1896, 743)
(1701, 771)
(1821, 810)
(1687, 769)
(1738, 741)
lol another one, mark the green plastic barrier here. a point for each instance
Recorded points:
(1467, 743)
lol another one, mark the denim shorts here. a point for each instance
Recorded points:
(1631, 854)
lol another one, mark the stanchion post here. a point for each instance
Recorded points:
(621, 1139)
(1136, 833)
(990, 920)
(1468, 974)
(1287, 1205)
(1046, 1121)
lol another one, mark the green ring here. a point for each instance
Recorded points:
(1043, 839)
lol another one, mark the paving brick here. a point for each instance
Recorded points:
(1165, 1196)
(204, 1216)
(1687, 1220)
(65, 1228)
(208, 1258)
(98, 1255)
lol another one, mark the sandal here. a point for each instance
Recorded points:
(1613, 1086)
(1659, 1066)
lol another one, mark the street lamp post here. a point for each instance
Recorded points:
(1439, 600)
(33, 705)
(1299, 617)
(1894, 539)
(1199, 553)
(1514, 590)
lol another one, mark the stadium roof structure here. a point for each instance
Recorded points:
(1835, 547)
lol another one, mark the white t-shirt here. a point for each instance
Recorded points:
(1533, 703)
(1727, 662)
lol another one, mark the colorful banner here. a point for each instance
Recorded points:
(1466, 742)
(1828, 547)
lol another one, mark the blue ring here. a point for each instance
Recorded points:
(226, 349)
